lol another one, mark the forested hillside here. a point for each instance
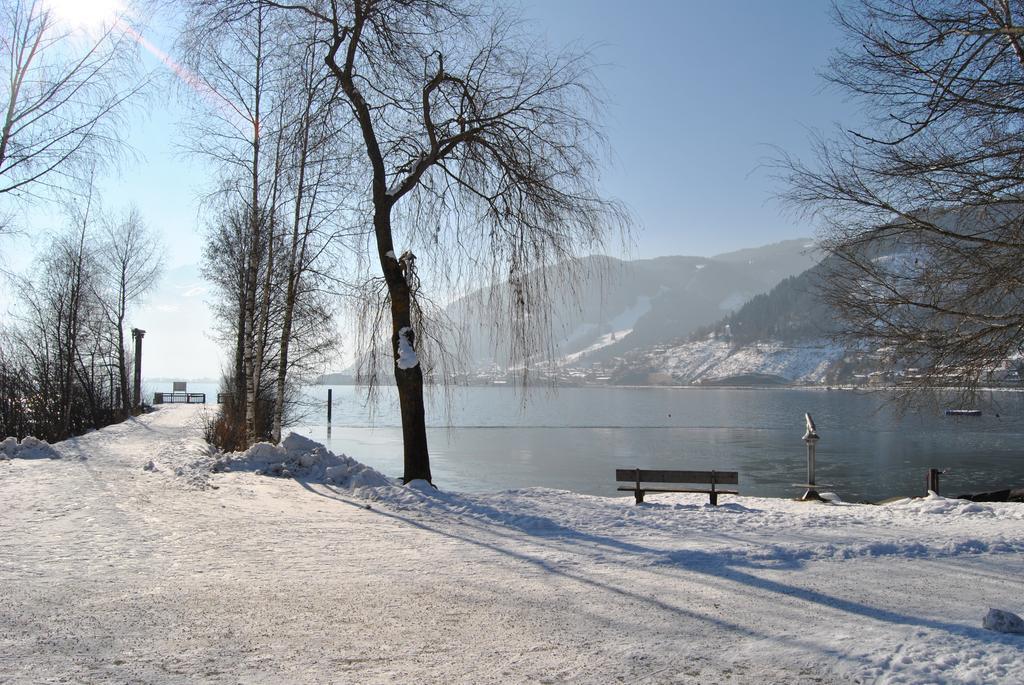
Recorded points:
(792, 311)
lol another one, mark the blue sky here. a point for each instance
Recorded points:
(697, 94)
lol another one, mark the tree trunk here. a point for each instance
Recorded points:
(73, 325)
(408, 374)
(294, 267)
(251, 287)
(239, 379)
(286, 324)
(409, 380)
(414, 426)
(255, 235)
(250, 335)
(282, 367)
(122, 365)
(263, 339)
(263, 320)
(122, 376)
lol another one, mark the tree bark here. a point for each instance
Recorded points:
(409, 380)
(249, 338)
(262, 340)
(414, 427)
(237, 400)
(122, 357)
(122, 371)
(73, 325)
(293, 277)
(255, 235)
(282, 368)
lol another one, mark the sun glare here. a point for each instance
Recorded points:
(88, 15)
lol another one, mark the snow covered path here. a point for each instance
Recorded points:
(114, 573)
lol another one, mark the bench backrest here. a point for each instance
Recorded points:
(653, 476)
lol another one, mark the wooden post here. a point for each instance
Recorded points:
(638, 494)
(933, 480)
(329, 403)
(714, 495)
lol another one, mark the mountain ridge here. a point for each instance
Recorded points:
(623, 305)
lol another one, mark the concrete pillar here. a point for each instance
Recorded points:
(137, 335)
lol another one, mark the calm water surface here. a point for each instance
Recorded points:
(574, 438)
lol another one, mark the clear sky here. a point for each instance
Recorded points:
(697, 94)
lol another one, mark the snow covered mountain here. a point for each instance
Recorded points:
(619, 307)
(783, 336)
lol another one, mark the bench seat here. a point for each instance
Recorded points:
(713, 478)
(706, 492)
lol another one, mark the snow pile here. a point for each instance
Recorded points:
(28, 448)
(937, 505)
(309, 461)
(303, 459)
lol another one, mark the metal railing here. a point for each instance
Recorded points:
(179, 398)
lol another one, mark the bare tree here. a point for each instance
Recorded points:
(272, 138)
(61, 96)
(129, 259)
(63, 363)
(242, 68)
(57, 316)
(224, 264)
(313, 170)
(922, 210)
(16, 391)
(478, 151)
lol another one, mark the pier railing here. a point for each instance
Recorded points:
(179, 398)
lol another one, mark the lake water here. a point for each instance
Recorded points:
(574, 439)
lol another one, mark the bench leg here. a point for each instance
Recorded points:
(639, 494)
(714, 499)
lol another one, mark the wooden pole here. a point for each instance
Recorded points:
(329, 403)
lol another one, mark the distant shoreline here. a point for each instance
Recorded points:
(690, 386)
(696, 386)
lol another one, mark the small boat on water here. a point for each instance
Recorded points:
(963, 412)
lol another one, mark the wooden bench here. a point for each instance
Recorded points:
(713, 478)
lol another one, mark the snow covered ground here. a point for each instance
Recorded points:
(128, 560)
(706, 360)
